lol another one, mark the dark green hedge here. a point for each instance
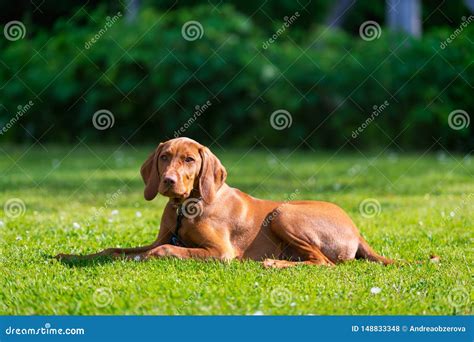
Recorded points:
(146, 72)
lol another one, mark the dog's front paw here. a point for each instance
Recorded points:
(110, 252)
(64, 257)
(268, 263)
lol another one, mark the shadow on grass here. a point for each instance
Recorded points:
(82, 261)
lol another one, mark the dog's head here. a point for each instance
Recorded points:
(179, 166)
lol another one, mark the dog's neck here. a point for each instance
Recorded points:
(177, 202)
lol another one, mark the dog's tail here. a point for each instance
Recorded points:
(364, 251)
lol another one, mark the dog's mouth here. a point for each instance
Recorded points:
(174, 194)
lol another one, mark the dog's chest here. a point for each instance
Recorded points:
(182, 237)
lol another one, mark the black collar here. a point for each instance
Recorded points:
(175, 240)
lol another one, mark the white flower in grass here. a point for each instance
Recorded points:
(258, 313)
(76, 225)
(375, 290)
(138, 214)
(115, 212)
(2, 224)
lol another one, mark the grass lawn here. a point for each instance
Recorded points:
(83, 199)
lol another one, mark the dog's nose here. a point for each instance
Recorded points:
(170, 180)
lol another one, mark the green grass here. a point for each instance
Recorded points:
(62, 186)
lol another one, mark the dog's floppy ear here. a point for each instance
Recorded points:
(150, 175)
(212, 175)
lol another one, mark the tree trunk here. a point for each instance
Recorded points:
(338, 11)
(132, 10)
(404, 15)
(469, 4)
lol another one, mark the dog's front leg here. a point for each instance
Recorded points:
(186, 253)
(118, 252)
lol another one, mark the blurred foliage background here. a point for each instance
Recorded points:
(151, 79)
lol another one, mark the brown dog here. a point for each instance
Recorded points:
(205, 218)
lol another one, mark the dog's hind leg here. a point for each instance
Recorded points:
(305, 252)
(317, 258)
(364, 251)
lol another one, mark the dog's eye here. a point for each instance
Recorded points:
(164, 157)
(189, 160)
